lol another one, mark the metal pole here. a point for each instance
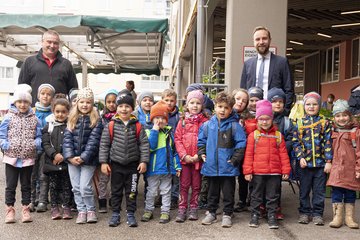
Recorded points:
(179, 38)
(84, 74)
(200, 24)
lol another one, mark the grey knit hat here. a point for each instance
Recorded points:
(340, 106)
(256, 92)
(144, 94)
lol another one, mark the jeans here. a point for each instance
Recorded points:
(162, 183)
(81, 181)
(339, 194)
(12, 175)
(312, 180)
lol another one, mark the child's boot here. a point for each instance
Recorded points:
(181, 216)
(102, 206)
(146, 216)
(164, 218)
(10, 214)
(67, 213)
(338, 212)
(349, 216)
(25, 218)
(131, 220)
(114, 220)
(193, 215)
(55, 213)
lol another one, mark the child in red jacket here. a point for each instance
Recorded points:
(266, 161)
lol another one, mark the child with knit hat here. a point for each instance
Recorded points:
(344, 176)
(164, 162)
(81, 152)
(266, 163)
(145, 101)
(186, 138)
(312, 145)
(255, 94)
(124, 152)
(19, 150)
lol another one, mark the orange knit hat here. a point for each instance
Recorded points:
(160, 109)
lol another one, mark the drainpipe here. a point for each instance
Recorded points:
(200, 25)
(178, 44)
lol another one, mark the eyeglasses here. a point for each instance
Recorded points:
(264, 119)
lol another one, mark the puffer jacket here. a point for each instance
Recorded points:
(315, 146)
(186, 137)
(163, 157)
(125, 148)
(217, 142)
(266, 156)
(83, 141)
(346, 161)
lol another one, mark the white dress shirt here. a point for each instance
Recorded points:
(266, 72)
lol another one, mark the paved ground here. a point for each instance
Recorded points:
(45, 228)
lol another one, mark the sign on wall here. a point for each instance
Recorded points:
(250, 51)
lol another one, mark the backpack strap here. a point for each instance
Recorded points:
(258, 134)
(352, 135)
(111, 130)
(138, 130)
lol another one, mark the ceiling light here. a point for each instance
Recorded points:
(346, 25)
(324, 35)
(350, 12)
(298, 43)
(223, 39)
(297, 16)
(288, 54)
(289, 48)
(298, 70)
(219, 48)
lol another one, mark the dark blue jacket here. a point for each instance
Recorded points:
(174, 119)
(83, 141)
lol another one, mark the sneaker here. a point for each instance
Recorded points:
(67, 213)
(241, 207)
(164, 218)
(209, 219)
(318, 220)
(41, 207)
(102, 206)
(272, 222)
(114, 220)
(181, 216)
(279, 215)
(254, 221)
(32, 207)
(131, 220)
(10, 214)
(81, 218)
(193, 215)
(174, 204)
(91, 217)
(226, 221)
(146, 216)
(304, 219)
(55, 213)
(26, 214)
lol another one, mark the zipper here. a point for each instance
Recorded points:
(313, 142)
(81, 134)
(216, 153)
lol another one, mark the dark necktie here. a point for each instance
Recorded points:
(261, 73)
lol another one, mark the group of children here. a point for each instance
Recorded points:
(64, 144)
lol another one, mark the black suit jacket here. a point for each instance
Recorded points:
(279, 76)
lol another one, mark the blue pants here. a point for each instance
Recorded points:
(339, 194)
(312, 180)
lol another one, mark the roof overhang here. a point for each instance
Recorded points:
(105, 44)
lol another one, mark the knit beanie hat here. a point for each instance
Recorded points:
(264, 107)
(125, 96)
(314, 95)
(111, 91)
(73, 94)
(195, 94)
(144, 94)
(195, 86)
(22, 92)
(86, 93)
(340, 106)
(276, 93)
(256, 92)
(160, 109)
(48, 86)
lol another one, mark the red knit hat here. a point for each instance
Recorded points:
(160, 109)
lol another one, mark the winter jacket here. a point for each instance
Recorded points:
(144, 118)
(42, 115)
(220, 145)
(265, 155)
(354, 100)
(125, 148)
(186, 137)
(250, 125)
(284, 125)
(35, 71)
(20, 137)
(83, 141)
(163, 157)
(316, 147)
(346, 161)
(174, 117)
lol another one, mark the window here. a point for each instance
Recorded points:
(355, 58)
(6, 72)
(331, 65)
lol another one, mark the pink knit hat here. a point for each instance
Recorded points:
(263, 107)
(195, 94)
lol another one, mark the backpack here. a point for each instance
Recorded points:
(111, 130)
(352, 134)
(258, 134)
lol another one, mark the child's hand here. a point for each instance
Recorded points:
(327, 167)
(357, 175)
(58, 159)
(80, 161)
(142, 167)
(105, 169)
(188, 159)
(203, 157)
(74, 161)
(248, 177)
(303, 163)
(156, 125)
(178, 172)
(195, 158)
(285, 177)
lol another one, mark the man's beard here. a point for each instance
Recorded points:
(261, 50)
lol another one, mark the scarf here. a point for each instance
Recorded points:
(42, 108)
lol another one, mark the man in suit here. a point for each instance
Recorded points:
(267, 70)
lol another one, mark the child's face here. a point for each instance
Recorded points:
(252, 103)
(146, 104)
(171, 102)
(124, 111)
(240, 101)
(312, 107)
(160, 121)
(222, 110)
(194, 106)
(61, 113)
(110, 102)
(22, 106)
(264, 122)
(45, 97)
(342, 119)
(278, 105)
(84, 105)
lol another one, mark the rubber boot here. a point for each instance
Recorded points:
(349, 215)
(338, 211)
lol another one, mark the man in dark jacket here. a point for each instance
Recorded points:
(48, 66)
